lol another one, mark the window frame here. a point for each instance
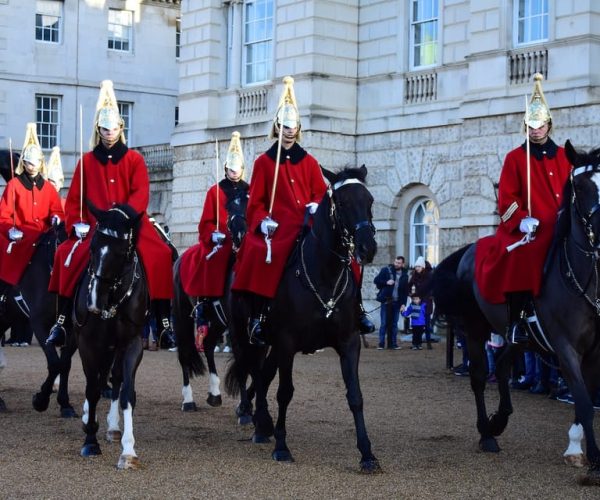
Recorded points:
(435, 44)
(112, 38)
(426, 244)
(246, 45)
(47, 129)
(528, 19)
(126, 112)
(41, 28)
(177, 37)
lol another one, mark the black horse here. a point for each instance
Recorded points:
(30, 301)
(183, 318)
(567, 308)
(315, 307)
(109, 314)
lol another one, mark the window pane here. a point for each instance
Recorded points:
(424, 231)
(125, 112)
(258, 36)
(120, 29)
(48, 20)
(424, 27)
(532, 21)
(48, 119)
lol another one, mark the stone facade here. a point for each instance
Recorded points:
(440, 132)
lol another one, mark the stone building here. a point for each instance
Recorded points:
(55, 53)
(429, 94)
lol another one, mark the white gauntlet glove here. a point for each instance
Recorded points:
(268, 226)
(312, 207)
(217, 237)
(529, 225)
(81, 229)
(15, 234)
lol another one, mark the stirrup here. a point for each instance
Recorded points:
(255, 331)
(518, 333)
(167, 332)
(366, 325)
(58, 334)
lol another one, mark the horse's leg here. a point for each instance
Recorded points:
(263, 422)
(41, 399)
(113, 431)
(214, 391)
(573, 455)
(499, 420)
(244, 409)
(91, 447)
(186, 391)
(349, 356)
(131, 360)
(285, 392)
(66, 355)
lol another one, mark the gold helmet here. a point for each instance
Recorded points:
(31, 152)
(55, 172)
(107, 113)
(235, 156)
(287, 110)
(537, 112)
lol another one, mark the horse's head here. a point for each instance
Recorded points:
(111, 250)
(585, 191)
(236, 219)
(351, 204)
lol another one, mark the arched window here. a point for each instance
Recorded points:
(424, 231)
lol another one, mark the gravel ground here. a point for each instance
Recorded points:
(420, 419)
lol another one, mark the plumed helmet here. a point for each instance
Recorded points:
(537, 112)
(287, 110)
(107, 113)
(235, 156)
(32, 151)
(55, 171)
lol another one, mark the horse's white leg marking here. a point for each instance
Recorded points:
(112, 419)
(186, 392)
(86, 412)
(574, 453)
(2, 358)
(56, 384)
(127, 441)
(214, 383)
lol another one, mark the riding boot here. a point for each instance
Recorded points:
(517, 327)
(256, 323)
(4, 290)
(162, 311)
(366, 325)
(201, 323)
(58, 333)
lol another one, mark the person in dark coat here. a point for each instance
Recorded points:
(392, 282)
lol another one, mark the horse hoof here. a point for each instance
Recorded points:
(578, 460)
(68, 412)
(189, 407)
(114, 436)
(370, 466)
(282, 456)
(91, 450)
(245, 419)
(40, 403)
(213, 400)
(489, 445)
(259, 439)
(128, 462)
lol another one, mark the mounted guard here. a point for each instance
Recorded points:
(509, 264)
(109, 175)
(29, 207)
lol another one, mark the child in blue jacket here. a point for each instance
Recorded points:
(416, 312)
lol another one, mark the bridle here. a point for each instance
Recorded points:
(594, 252)
(114, 284)
(347, 240)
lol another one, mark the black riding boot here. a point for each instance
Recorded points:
(162, 312)
(517, 332)
(256, 323)
(4, 290)
(366, 325)
(58, 333)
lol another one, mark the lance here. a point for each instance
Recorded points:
(218, 235)
(271, 224)
(528, 159)
(14, 233)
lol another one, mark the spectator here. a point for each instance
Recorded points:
(419, 284)
(416, 311)
(392, 282)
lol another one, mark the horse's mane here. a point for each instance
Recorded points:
(113, 218)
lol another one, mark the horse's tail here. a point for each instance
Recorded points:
(242, 362)
(452, 296)
(232, 380)
(183, 325)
